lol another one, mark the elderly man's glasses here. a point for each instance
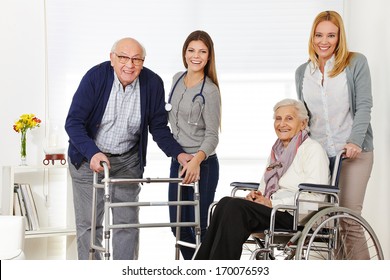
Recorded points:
(124, 59)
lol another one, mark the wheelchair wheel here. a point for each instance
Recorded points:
(338, 233)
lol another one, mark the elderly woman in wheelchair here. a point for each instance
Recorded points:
(295, 158)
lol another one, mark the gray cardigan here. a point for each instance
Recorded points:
(360, 99)
(205, 135)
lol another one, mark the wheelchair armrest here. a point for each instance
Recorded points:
(318, 188)
(243, 186)
(248, 186)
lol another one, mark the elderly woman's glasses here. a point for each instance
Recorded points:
(124, 59)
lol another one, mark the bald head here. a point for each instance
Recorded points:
(129, 43)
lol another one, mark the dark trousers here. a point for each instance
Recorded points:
(233, 220)
(209, 176)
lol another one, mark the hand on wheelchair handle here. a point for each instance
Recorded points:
(351, 151)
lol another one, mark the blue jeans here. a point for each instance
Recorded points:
(209, 176)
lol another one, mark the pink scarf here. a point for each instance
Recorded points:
(281, 159)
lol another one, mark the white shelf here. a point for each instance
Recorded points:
(52, 191)
(50, 232)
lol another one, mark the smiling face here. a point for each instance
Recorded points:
(196, 56)
(325, 40)
(126, 72)
(287, 123)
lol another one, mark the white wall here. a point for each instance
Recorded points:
(22, 77)
(368, 28)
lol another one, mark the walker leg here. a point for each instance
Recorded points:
(91, 254)
(178, 219)
(107, 222)
(93, 219)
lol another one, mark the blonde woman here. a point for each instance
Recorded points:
(335, 85)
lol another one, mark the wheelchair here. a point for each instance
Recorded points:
(319, 235)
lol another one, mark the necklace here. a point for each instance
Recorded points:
(190, 83)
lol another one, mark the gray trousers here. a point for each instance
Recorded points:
(125, 242)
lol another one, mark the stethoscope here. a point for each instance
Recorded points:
(168, 105)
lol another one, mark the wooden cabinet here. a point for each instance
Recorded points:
(52, 190)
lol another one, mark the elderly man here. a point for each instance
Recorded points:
(115, 105)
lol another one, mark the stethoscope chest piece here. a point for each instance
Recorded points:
(168, 107)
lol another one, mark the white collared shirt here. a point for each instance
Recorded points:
(120, 127)
(328, 103)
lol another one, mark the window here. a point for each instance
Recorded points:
(258, 46)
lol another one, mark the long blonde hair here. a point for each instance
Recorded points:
(342, 54)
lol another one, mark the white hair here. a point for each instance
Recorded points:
(298, 105)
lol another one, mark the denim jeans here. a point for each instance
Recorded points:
(209, 176)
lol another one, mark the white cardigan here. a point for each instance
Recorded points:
(310, 165)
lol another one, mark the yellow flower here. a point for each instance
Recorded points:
(26, 121)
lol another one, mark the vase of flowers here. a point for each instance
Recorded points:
(25, 122)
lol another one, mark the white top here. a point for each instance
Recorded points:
(310, 165)
(330, 120)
